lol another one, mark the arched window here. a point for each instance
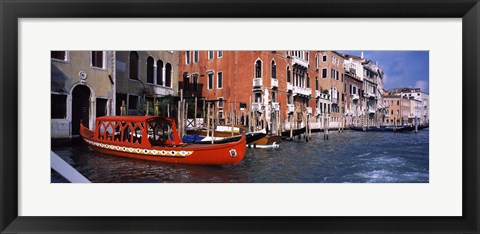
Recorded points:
(274, 70)
(150, 70)
(258, 69)
(288, 74)
(160, 72)
(168, 75)
(133, 65)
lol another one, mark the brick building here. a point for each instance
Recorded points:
(283, 85)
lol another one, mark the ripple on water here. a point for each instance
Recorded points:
(351, 157)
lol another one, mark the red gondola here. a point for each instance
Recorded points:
(156, 138)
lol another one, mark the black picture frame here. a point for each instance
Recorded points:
(11, 11)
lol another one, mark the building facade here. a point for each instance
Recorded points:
(281, 86)
(143, 76)
(82, 88)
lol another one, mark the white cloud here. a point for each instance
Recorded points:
(423, 85)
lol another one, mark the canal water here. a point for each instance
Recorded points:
(348, 157)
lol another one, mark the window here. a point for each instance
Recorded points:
(243, 106)
(324, 58)
(187, 57)
(398, 102)
(132, 102)
(220, 102)
(288, 74)
(219, 80)
(398, 112)
(258, 69)
(391, 112)
(220, 54)
(195, 82)
(308, 56)
(274, 70)
(195, 56)
(332, 73)
(58, 106)
(324, 73)
(168, 75)
(97, 59)
(133, 65)
(210, 80)
(289, 99)
(150, 70)
(258, 98)
(210, 54)
(60, 55)
(160, 72)
(186, 82)
(316, 83)
(316, 61)
(101, 107)
(337, 75)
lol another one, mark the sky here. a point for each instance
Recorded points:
(402, 69)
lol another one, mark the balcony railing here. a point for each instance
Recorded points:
(257, 82)
(368, 94)
(274, 83)
(355, 97)
(299, 61)
(371, 110)
(302, 91)
(256, 106)
(325, 96)
(290, 108)
(289, 86)
(317, 93)
(275, 106)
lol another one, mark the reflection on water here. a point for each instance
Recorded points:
(351, 157)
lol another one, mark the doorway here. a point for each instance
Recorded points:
(80, 108)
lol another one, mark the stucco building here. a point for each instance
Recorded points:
(82, 88)
(144, 76)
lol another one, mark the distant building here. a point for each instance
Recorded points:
(82, 84)
(353, 74)
(398, 110)
(421, 103)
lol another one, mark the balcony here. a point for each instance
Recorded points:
(368, 94)
(299, 61)
(289, 86)
(302, 91)
(256, 106)
(257, 82)
(325, 96)
(335, 100)
(274, 83)
(290, 108)
(371, 110)
(317, 93)
(309, 110)
(355, 97)
(275, 106)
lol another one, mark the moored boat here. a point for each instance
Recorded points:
(269, 141)
(202, 139)
(295, 132)
(156, 139)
